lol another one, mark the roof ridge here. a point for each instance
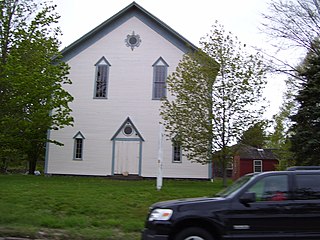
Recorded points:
(118, 15)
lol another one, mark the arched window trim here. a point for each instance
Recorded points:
(78, 146)
(176, 151)
(160, 74)
(102, 78)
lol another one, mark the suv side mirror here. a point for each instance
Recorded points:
(248, 197)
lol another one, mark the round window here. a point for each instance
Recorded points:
(128, 130)
(133, 40)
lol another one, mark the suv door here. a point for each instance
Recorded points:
(269, 216)
(307, 205)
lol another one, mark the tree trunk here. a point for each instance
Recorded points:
(4, 165)
(33, 156)
(224, 173)
(32, 166)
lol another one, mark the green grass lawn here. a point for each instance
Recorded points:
(60, 207)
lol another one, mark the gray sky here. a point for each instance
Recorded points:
(192, 19)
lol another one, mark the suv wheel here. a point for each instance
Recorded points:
(194, 234)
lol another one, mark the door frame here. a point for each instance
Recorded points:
(114, 142)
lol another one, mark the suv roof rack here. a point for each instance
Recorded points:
(303, 168)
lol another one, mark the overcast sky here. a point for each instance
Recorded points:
(192, 19)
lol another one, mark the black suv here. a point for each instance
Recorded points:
(269, 205)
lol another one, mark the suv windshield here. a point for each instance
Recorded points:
(235, 186)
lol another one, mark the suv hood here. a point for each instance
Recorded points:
(187, 201)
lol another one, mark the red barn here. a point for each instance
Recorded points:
(249, 159)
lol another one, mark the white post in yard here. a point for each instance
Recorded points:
(160, 156)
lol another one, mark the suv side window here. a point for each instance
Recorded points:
(271, 188)
(307, 186)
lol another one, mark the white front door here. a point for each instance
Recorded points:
(127, 157)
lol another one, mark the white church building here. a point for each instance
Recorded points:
(118, 72)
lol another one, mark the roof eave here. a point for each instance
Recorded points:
(118, 15)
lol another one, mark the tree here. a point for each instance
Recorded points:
(32, 74)
(293, 24)
(296, 24)
(279, 139)
(208, 113)
(306, 128)
(237, 90)
(188, 118)
(256, 135)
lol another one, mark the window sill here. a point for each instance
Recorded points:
(103, 98)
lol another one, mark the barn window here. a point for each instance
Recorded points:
(78, 146)
(257, 165)
(159, 79)
(102, 78)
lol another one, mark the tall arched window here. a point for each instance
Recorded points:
(78, 146)
(102, 78)
(176, 150)
(160, 71)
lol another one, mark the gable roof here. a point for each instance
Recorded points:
(79, 135)
(131, 10)
(127, 121)
(248, 152)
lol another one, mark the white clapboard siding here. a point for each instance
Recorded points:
(129, 96)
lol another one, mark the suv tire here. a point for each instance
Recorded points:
(194, 234)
